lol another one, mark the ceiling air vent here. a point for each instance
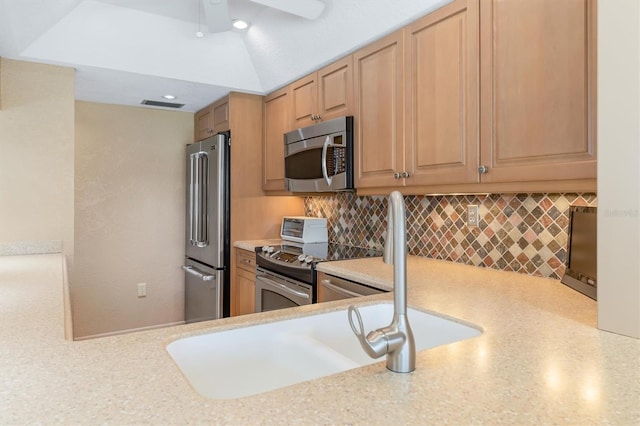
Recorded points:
(162, 104)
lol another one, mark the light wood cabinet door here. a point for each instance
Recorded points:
(243, 299)
(442, 111)
(203, 124)
(378, 81)
(323, 95)
(335, 89)
(220, 114)
(211, 120)
(304, 101)
(538, 80)
(245, 295)
(276, 124)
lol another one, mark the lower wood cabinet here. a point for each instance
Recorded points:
(243, 297)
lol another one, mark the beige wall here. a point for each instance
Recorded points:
(36, 154)
(129, 210)
(619, 166)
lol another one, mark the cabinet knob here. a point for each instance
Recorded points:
(405, 174)
(483, 169)
(209, 130)
(396, 175)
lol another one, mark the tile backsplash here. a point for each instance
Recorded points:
(525, 233)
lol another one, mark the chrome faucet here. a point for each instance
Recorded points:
(395, 340)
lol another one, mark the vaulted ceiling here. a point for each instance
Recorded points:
(125, 51)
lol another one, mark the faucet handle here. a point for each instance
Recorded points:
(375, 343)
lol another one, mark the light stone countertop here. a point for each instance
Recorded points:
(540, 360)
(251, 245)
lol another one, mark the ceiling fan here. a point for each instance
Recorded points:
(217, 11)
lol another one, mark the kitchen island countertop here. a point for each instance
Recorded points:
(539, 360)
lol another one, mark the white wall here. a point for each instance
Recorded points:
(36, 156)
(619, 166)
(129, 209)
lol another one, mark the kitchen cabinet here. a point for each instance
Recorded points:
(379, 129)
(212, 119)
(538, 71)
(276, 123)
(322, 95)
(481, 113)
(244, 293)
(253, 213)
(441, 95)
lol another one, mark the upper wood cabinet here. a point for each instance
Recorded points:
(212, 119)
(325, 94)
(480, 95)
(538, 102)
(441, 94)
(496, 93)
(378, 82)
(203, 124)
(276, 123)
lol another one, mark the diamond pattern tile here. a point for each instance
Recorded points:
(525, 233)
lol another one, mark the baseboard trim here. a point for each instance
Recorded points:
(127, 331)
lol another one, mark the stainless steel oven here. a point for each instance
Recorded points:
(275, 291)
(286, 274)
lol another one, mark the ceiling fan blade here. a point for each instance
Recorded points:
(217, 15)
(309, 9)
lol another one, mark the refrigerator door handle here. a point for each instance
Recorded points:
(203, 229)
(194, 271)
(192, 197)
(196, 199)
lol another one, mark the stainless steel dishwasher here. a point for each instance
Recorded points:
(331, 288)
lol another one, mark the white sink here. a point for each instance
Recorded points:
(250, 360)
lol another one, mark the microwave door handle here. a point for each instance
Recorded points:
(327, 143)
(282, 287)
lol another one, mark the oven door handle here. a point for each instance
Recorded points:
(282, 287)
(325, 147)
(340, 290)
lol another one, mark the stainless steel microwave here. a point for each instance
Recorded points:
(319, 158)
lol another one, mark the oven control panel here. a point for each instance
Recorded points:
(288, 257)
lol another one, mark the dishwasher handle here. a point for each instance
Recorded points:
(340, 290)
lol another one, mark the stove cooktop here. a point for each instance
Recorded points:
(297, 260)
(311, 253)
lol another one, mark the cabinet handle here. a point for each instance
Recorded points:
(483, 170)
(396, 175)
(209, 130)
(405, 174)
(247, 261)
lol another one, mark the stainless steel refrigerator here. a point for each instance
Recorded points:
(207, 258)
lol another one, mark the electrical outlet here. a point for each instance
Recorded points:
(142, 289)
(473, 217)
